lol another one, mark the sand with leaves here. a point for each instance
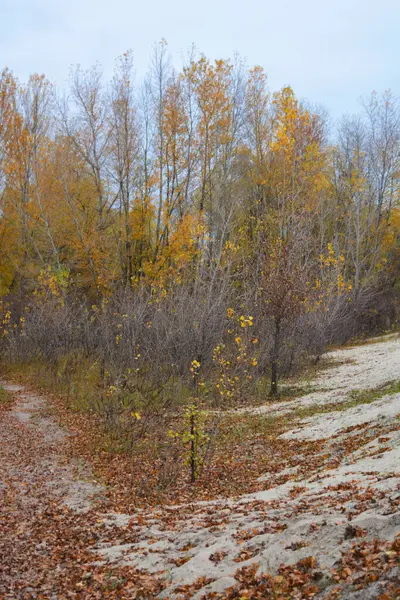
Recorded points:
(329, 534)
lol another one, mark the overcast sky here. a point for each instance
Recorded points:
(330, 52)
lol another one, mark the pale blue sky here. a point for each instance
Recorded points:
(331, 52)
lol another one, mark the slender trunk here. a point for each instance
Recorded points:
(193, 460)
(275, 359)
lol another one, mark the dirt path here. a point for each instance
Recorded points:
(48, 516)
(56, 544)
(69, 483)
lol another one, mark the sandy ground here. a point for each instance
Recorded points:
(301, 517)
(358, 368)
(71, 483)
(357, 493)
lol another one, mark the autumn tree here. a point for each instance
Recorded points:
(201, 184)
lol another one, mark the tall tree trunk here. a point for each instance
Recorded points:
(275, 359)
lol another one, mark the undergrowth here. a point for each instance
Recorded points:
(5, 397)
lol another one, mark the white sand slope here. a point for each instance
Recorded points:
(301, 517)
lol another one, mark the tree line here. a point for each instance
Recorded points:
(144, 226)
